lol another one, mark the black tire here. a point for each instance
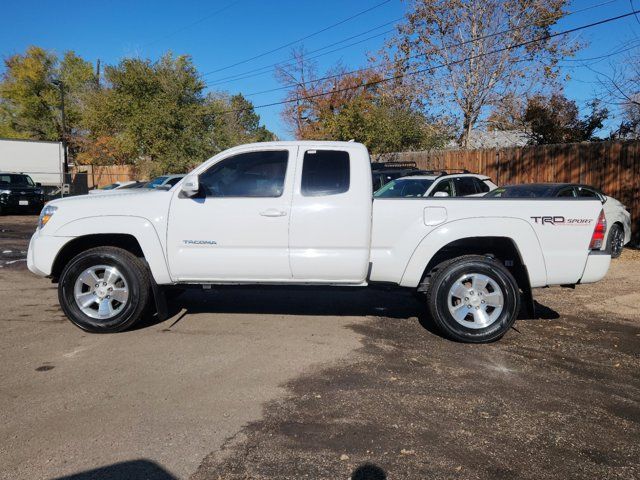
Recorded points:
(615, 240)
(134, 272)
(442, 279)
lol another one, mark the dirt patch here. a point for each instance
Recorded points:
(556, 398)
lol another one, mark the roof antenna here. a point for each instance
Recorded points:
(351, 141)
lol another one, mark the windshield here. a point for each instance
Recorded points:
(404, 187)
(155, 182)
(15, 179)
(135, 185)
(110, 187)
(522, 191)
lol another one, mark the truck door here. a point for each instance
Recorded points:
(237, 227)
(330, 230)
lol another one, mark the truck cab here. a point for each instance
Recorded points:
(282, 214)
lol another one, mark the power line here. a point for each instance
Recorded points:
(446, 47)
(632, 8)
(241, 76)
(197, 22)
(283, 64)
(626, 48)
(268, 68)
(424, 70)
(300, 39)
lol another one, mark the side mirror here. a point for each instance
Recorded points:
(190, 185)
(38, 184)
(441, 194)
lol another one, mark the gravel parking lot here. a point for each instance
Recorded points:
(318, 383)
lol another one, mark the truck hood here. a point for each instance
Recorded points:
(151, 205)
(115, 198)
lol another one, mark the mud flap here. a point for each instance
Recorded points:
(528, 302)
(160, 300)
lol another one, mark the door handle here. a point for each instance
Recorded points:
(273, 212)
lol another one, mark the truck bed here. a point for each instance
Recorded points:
(551, 235)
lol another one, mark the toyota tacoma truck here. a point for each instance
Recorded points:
(303, 213)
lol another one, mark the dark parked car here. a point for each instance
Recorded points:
(18, 192)
(618, 232)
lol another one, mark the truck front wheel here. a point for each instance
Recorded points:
(473, 299)
(104, 290)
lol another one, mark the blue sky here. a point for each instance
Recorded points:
(220, 33)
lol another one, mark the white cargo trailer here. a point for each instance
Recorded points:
(42, 161)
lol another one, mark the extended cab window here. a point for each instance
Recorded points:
(325, 172)
(251, 174)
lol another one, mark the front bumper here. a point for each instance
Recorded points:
(43, 250)
(597, 266)
(29, 202)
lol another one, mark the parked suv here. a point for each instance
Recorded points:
(438, 184)
(384, 172)
(18, 192)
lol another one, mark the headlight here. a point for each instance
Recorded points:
(46, 214)
(5, 192)
(39, 191)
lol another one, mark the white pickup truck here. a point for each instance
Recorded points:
(302, 213)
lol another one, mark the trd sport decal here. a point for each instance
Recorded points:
(561, 221)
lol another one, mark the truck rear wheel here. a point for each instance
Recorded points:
(473, 299)
(104, 290)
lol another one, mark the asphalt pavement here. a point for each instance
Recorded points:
(245, 382)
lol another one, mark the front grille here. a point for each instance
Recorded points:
(14, 199)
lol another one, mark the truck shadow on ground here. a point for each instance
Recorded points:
(149, 470)
(134, 469)
(375, 301)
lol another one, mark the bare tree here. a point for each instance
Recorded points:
(300, 74)
(621, 88)
(313, 99)
(473, 54)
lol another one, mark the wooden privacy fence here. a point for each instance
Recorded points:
(101, 175)
(614, 167)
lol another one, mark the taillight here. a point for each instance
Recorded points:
(597, 239)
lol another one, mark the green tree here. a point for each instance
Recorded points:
(234, 121)
(158, 113)
(150, 112)
(30, 102)
(147, 111)
(384, 126)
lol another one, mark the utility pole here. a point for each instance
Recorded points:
(64, 125)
